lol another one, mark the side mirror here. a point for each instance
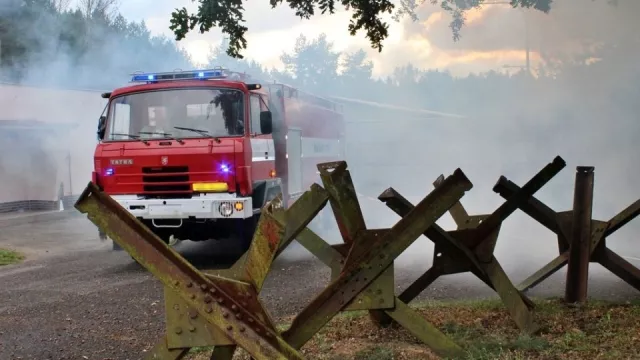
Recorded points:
(102, 127)
(266, 123)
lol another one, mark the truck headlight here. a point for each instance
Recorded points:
(226, 209)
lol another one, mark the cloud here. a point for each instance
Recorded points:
(494, 35)
(571, 26)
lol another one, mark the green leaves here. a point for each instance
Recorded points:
(366, 14)
(224, 14)
(228, 16)
(457, 8)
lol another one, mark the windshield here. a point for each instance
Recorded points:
(176, 113)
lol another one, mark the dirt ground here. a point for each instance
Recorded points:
(484, 330)
(74, 298)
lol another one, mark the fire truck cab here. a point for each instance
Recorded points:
(195, 155)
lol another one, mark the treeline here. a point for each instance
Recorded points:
(94, 46)
(556, 89)
(90, 46)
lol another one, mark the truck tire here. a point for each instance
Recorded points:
(116, 247)
(245, 232)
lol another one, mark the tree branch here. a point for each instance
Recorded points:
(366, 15)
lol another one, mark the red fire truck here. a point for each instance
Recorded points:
(195, 154)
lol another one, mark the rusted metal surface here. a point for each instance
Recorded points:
(348, 215)
(377, 295)
(470, 247)
(344, 199)
(221, 308)
(162, 352)
(228, 305)
(580, 249)
(370, 255)
(562, 224)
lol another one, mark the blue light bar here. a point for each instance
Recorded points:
(219, 73)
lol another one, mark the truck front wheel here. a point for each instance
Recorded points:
(245, 230)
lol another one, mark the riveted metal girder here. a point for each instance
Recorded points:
(343, 199)
(344, 202)
(470, 248)
(367, 260)
(452, 255)
(224, 303)
(561, 224)
(253, 265)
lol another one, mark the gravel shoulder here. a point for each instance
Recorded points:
(74, 298)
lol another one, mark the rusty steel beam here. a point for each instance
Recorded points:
(344, 199)
(580, 250)
(253, 267)
(562, 223)
(521, 196)
(224, 303)
(556, 222)
(451, 255)
(162, 352)
(368, 260)
(619, 266)
(470, 248)
(378, 297)
(347, 212)
(623, 218)
(541, 275)
(334, 257)
(535, 208)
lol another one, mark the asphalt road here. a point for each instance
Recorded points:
(74, 298)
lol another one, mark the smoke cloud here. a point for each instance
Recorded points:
(52, 76)
(581, 104)
(585, 113)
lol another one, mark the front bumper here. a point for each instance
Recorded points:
(202, 207)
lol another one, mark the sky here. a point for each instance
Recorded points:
(494, 38)
(270, 36)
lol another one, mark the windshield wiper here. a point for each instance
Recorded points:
(132, 137)
(166, 135)
(199, 131)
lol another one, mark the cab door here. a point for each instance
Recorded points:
(262, 149)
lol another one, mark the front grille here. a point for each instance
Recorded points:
(166, 179)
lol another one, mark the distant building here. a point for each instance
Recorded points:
(47, 137)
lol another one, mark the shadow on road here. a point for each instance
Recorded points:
(222, 254)
(204, 255)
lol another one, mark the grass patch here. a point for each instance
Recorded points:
(599, 330)
(8, 257)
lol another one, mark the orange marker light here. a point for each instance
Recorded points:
(272, 173)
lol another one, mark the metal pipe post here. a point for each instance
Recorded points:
(580, 251)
